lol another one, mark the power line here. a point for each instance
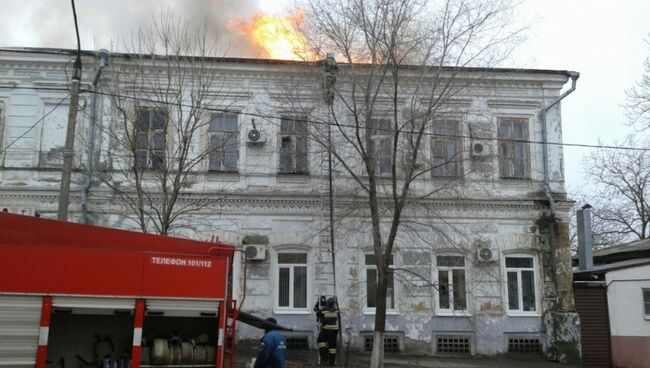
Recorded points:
(33, 126)
(324, 123)
(310, 121)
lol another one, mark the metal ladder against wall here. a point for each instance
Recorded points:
(324, 252)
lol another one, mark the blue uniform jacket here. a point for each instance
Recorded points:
(273, 350)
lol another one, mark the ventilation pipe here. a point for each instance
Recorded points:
(585, 243)
(102, 57)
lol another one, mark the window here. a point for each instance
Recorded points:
(150, 138)
(53, 132)
(381, 134)
(451, 283)
(391, 343)
(646, 302)
(292, 280)
(520, 273)
(513, 151)
(2, 131)
(524, 345)
(453, 344)
(294, 146)
(446, 148)
(371, 283)
(224, 142)
(297, 343)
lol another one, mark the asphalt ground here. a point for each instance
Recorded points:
(308, 359)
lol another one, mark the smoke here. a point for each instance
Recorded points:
(108, 24)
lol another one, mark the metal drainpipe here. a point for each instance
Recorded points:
(547, 189)
(103, 62)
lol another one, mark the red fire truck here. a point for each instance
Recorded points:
(75, 295)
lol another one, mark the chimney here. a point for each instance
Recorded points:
(585, 243)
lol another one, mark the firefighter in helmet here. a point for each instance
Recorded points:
(328, 322)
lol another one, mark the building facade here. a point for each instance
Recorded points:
(474, 271)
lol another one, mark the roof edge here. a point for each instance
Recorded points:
(63, 51)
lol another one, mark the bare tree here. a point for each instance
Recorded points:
(638, 99)
(400, 71)
(165, 102)
(604, 233)
(621, 198)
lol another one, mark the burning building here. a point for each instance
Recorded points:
(475, 269)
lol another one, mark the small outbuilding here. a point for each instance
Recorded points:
(613, 301)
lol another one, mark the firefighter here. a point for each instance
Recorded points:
(328, 321)
(273, 348)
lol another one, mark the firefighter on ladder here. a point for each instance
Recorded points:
(328, 322)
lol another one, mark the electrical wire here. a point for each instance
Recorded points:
(33, 126)
(351, 126)
(76, 28)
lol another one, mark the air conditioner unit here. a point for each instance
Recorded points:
(481, 148)
(255, 136)
(484, 253)
(255, 252)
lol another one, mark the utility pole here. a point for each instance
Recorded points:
(68, 150)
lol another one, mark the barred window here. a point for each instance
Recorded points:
(294, 145)
(150, 138)
(446, 148)
(224, 142)
(292, 280)
(513, 150)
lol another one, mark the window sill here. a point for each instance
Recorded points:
(292, 311)
(523, 314)
(453, 314)
(447, 177)
(389, 312)
(292, 174)
(222, 175)
(515, 179)
(297, 178)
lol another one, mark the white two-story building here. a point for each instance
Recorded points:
(474, 271)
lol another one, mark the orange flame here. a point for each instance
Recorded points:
(275, 36)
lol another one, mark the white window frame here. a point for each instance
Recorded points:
(536, 283)
(436, 278)
(645, 308)
(365, 267)
(446, 138)
(510, 147)
(293, 135)
(150, 139)
(276, 281)
(3, 129)
(55, 103)
(223, 134)
(380, 133)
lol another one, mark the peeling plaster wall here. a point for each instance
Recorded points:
(292, 211)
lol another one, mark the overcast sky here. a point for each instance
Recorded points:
(601, 39)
